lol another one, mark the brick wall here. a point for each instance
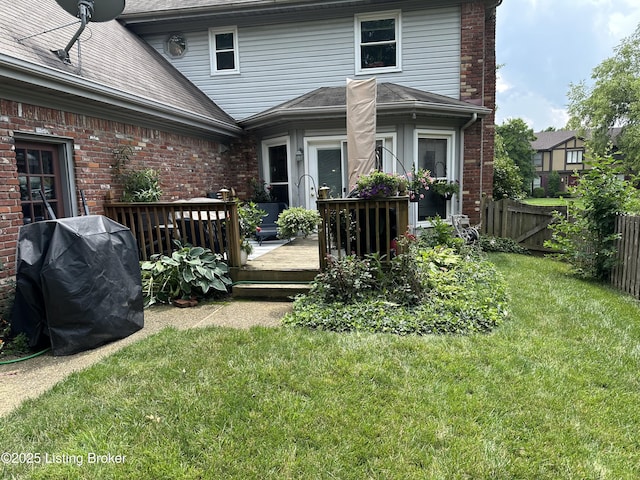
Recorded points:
(478, 84)
(188, 166)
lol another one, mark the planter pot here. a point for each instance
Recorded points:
(244, 257)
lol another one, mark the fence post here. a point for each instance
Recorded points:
(233, 234)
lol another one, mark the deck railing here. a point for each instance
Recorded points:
(156, 225)
(361, 226)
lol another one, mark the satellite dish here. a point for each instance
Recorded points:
(101, 10)
(88, 11)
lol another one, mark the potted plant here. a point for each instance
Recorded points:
(250, 220)
(377, 185)
(445, 188)
(417, 181)
(297, 220)
(261, 192)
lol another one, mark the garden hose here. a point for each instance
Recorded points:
(16, 360)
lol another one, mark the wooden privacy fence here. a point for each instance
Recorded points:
(525, 224)
(211, 224)
(626, 275)
(358, 226)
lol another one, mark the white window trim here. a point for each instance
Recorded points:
(579, 157)
(212, 50)
(358, 19)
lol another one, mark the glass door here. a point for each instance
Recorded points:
(434, 152)
(327, 167)
(277, 171)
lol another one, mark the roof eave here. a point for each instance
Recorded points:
(335, 112)
(38, 75)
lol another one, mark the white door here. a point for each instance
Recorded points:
(327, 166)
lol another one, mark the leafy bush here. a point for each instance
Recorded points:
(297, 219)
(188, 272)
(538, 192)
(425, 291)
(587, 237)
(440, 233)
(554, 184)
(141, 186)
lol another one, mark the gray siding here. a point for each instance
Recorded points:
(281, 62)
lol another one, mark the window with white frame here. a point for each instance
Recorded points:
(223, 48)
(574, 156)
(378, 42)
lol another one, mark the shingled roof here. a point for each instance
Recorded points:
(550, 140)
(331, 102)
(115, 71)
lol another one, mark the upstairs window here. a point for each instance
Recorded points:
(378, 42)
(223, 47)
(537, 159)
(574, 156)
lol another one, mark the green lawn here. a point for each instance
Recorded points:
(548, 202)
(554, 393)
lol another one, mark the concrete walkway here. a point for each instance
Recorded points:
(30, 378)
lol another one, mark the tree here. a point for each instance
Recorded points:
(613, 101)
(554, 184)
(507, 181)
(517, 138)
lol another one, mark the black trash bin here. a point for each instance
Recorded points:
(78, 284)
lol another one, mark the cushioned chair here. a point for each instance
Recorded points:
(268, 227)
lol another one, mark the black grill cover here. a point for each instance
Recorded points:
(77, 284)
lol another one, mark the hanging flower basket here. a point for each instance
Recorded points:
(446, 189)
(377, 185)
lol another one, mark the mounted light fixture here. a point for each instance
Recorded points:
(300, 155)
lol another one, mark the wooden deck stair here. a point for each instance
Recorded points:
(279, 274)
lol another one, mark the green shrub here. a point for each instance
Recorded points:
(141, 185)
(440, 233)
(188, 272)
(423, 291)
(296, 220)
(554, 185)
(538, 192)
(586, 237)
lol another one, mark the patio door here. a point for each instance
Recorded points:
(327, 166)
(276, 168)
(435, 153)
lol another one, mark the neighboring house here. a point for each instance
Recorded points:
(559, 151)
(213, 93)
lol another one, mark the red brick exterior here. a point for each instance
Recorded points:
(478, 85)
(188, 166)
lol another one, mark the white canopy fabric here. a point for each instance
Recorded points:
(361, 127)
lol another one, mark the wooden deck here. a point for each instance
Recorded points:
(281, 273)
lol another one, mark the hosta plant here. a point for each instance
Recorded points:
(189, 272)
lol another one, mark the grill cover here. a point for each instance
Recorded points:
(78, 284)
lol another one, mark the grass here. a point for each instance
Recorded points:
(548, 202)
(553, 393)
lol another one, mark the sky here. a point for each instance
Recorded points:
(543, 46)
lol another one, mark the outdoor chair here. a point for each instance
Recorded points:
(268, 227)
